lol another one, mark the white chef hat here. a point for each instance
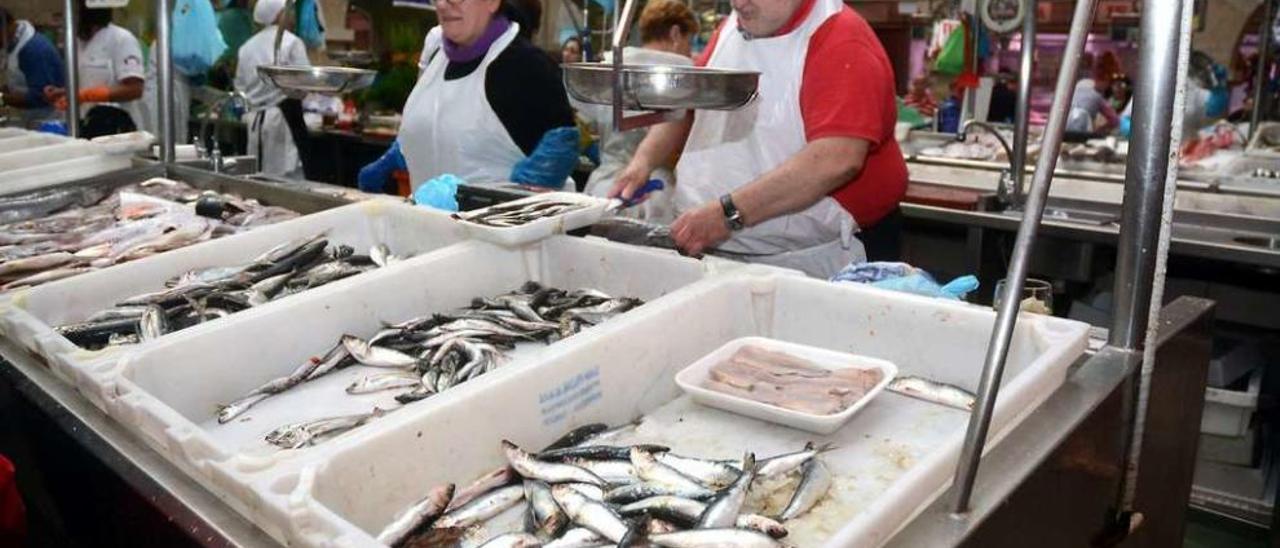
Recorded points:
(265, 12)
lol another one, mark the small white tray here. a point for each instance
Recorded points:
(693, 378)
(541, 228)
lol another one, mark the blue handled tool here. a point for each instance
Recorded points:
(650, 186)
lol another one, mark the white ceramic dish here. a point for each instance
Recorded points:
(692, 380)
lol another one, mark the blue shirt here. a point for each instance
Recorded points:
(42, 66)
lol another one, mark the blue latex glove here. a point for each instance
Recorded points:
(1126, 126)
(375, 176)
(551, 162)
(440, 193)
(905, 278)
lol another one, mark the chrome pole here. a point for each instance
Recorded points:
(1023, 115)
(164, 72)
(1260, 70)
(73, 68)
(998, 347)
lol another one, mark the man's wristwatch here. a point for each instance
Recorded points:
(732, 217)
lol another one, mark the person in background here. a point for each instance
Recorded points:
(1088, 103)
(275, 122)
(667, 28)
(181, 100)
(31, 64)
(1004, 98)
(788, 179)
(571, 50)
(920, 97)
(484, 101)
(112, 76)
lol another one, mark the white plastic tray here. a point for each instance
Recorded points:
(693, 378)
(1227, 412)
(168, 391)
(541, 228)
(30, 315)
(892, 459)
(47, 155)
(29, 139)
(84, 167)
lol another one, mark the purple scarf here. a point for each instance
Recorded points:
(465, 54)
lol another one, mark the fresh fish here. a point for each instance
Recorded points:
(654, 472)
(713, 473)
(118, 313)
(417, 516)
(600, 452)
(715, 538)
(615, 472)
(605, 435)
(513, 540)
(639, 491)
(528, 466)
(333, 359)
(383, 381)
(549, 518)
(785, 464)
(302, 434)
(381, 255)
(814, 484)
(593, 492)
(39, 262)
(280, 252)
(686, 513)
(97, 334)
(418, 393)
(234, 409)
(933, 391)
(376, 356)
(493, 480)
(724, 510)
(588, 513)
(481, 508)
(152, 324)
(578, 537)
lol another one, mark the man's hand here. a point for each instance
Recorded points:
(700, 229)
(634, 176)
(53, 94)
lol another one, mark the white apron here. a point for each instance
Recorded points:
(728, 149)
(31, 117)
(449, 126)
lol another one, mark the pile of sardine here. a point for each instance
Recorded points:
(210, 293)
(133, 222)
(583, 491)
(428, 355)
(520, 212)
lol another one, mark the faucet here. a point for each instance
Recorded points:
(1008, 191)
(215, 110)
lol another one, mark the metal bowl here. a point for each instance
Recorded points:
(300, 80)
(662, 87)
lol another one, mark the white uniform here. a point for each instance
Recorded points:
(728, 149)
(450, 127)
(181, 101)
(111, 56)
(617, 148)
(266, 123)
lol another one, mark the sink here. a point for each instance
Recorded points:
(231, 165)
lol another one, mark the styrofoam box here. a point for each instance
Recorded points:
(169, 391)
(1227, 412)
(30, 315)
(29, 139)
(892, 459)
(541, 228)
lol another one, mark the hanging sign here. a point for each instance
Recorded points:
(1004, 16)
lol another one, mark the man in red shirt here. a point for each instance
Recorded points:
(788, 179)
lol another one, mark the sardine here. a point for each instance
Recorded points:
(549, 518)
(381, 255)
(654, 472)
(302, 434)
(814, 485)
(615, 472)
(382, 381)
(686, 513)
(418, 393)
(593, 492)
(724, 510)
(715, 538)
(785, 464)
(934, 392)
(628, 494)
(578, 537)
(417, 516)
(713, 473)
(234, 409)
(600, 452)
(512, 540)
(481, 508)
(493, 480)
(152, 324)
(526, 465)
(376, 356)
(589, 513)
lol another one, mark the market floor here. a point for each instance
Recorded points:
(1208, 531)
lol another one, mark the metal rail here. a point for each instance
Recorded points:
(164, 71)
(998, 348)
(1260, 69)
(1022, 116)
(73, 67)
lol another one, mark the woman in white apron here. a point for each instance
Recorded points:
(112, 76)
(273, 136)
